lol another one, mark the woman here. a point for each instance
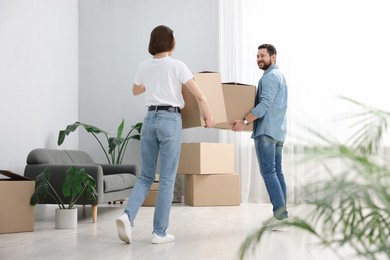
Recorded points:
(161, 78)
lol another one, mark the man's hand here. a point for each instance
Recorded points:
(238, 125)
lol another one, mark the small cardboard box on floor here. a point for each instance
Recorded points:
(150, 200)
(212, 190)
(227, 101)
(16, 213)
(206, 158)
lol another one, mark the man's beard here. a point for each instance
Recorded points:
(265, 66)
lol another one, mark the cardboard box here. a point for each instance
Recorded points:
(154, 186)
(206, 158)
(212, 190)
(227, 101)
(239, 101)
(210, 84)
(151, 198)
(16, 213)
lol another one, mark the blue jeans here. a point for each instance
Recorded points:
(161, 134)
(269, 156)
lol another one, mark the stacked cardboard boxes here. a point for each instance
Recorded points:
(209, 178)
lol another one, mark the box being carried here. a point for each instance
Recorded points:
(210, 84)
(16, 213)
(206, 158)
(227, 101)
(239, 101)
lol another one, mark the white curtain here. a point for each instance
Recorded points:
(325, 49)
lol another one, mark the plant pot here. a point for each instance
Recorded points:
(66, 218)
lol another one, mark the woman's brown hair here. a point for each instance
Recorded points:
(161, 40)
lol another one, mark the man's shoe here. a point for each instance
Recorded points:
(160, 240)
(124, 228)
(274, 223)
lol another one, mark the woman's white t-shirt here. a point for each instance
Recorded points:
(163, 79)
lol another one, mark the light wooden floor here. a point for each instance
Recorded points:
(201, 233)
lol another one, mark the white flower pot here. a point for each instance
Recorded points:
(66, 218)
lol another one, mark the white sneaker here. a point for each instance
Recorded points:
(275, 224)
(160, 240)
(124, 228)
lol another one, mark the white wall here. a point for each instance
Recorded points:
(113, 40)
(38, 76)
(50, 47)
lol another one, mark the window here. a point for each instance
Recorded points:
(325, 49)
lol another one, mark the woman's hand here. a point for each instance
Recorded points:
(210, 122)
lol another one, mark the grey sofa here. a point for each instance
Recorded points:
(113, 181)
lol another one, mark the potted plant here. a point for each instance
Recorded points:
(77, 184)
(351, 208)
(116, 146)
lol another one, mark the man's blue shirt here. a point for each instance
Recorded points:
(271, 105)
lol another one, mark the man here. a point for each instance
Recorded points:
(269, 129)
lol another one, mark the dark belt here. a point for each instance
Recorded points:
(167, 108)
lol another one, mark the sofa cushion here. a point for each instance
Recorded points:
(117, 182)
(79, 157)
(61, 157)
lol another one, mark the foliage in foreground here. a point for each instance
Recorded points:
(352, 206)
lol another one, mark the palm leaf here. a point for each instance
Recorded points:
(352, 206)
(116, 145)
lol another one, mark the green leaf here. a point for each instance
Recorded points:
(135, 137)
(120, 129)
(43, 189)
(116, 145)
(61, 137)
(93, 129)
(73, 182)
(352, 205)
(77, 183)
(138, 127)
(63, 133)
(71, 128)
(40, 194)
(114, 142)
